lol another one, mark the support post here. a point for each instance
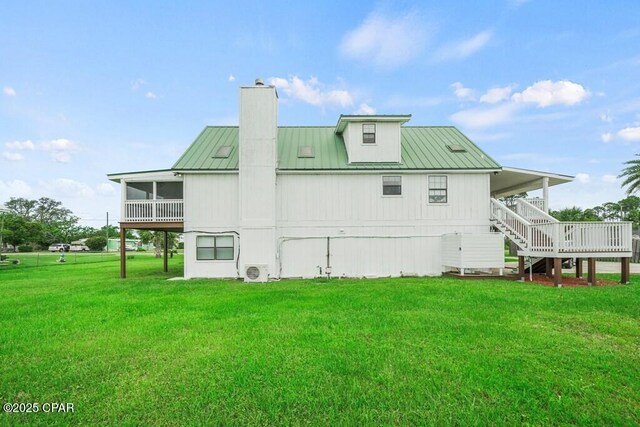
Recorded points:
(557, 272)
(548, 266)
(545, 193)
(578, 268)
(521, 268)
(625, 265)
(591, 271)
(166, 252)
(123, 254)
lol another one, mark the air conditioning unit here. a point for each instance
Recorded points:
(256, 273)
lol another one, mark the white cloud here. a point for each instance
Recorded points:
(583, 178)
(386, 41)
(137, 84)
(12, 157)
(15, 188)
(606, 137)
(151, 95)
(65, 187)
(462, 92)
(464, 48)
(312, 92)
(232, 78)
(21, 145)
(9, 91)
(365, 109)
(606, 117)
(497, 94)
(546, 93)
(59, 145)
(105, 189)
(60, 149)
(484, 117)
(630, 134)
(533, 158)
(609, 178)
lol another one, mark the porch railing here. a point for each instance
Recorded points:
(165, 210)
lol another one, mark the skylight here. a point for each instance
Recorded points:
(456, 148)
(306, 151)
(222, 152)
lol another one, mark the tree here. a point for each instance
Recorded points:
(631, 175)
(18, 230)
(574, 214)
(96, 243)
(57, 223)
(510, 201)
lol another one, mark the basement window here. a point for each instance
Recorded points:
(306, 151)
(222, 152)
(369, 133)
(391, 185)
(437, 189)
(214, 248)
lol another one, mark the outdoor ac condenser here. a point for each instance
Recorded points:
(256, 273)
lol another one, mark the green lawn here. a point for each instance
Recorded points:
(392, 351)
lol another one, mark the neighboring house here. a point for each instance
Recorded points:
(368, 197)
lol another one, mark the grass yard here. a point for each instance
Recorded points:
(435, 351)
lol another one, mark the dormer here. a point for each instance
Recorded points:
(372, 139)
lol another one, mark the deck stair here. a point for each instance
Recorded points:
(537, 234)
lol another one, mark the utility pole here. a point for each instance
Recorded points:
(107, 231)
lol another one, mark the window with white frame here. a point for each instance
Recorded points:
(437, 189)
(369, 133)
(214, 248)
(391, 185)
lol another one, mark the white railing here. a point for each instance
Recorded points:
(540, 233)
(536, 201)
(166, 210)
(510, 221)
(531, 212)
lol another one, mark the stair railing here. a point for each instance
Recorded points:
(511, 221)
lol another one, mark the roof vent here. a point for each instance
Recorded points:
(259, 82)
(306, 151)
(456, 148)
(222, 152)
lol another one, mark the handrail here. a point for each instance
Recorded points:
(510, 220)
(532, 213)
(159, 210)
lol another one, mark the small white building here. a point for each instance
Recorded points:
(369, 197)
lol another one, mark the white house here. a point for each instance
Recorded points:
(369, 197)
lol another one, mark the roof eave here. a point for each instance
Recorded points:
(346, 118)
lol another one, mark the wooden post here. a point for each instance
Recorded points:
(166, 252)
(521, 267)
(557, 272)
(123, 254)
(548, 265)
(591, 271)
(578, 268)
(625, 265)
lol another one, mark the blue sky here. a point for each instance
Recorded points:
(90, 88)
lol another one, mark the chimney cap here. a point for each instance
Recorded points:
(259, 82)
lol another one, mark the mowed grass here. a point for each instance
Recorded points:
(439, 351)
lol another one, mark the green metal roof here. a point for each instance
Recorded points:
(422, 148)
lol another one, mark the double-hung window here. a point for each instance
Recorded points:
(437, 189)
(391, 185)
(214, 248)
(369, 133)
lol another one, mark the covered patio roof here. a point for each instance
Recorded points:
(510, 181)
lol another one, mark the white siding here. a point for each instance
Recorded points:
(386, 148)
(372, 234)
(211, 205)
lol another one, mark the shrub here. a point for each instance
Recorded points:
(25, 248)
(141, 250)
(180, 245)
(96, 243)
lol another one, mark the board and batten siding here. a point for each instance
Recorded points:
(386, 148)
(473, 251)
(211, 205)
(371, 234)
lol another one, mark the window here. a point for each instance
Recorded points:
(391, 185)
(169, 190)
(139, 190)
(437, 189)
(368, 133)
(210, 248)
